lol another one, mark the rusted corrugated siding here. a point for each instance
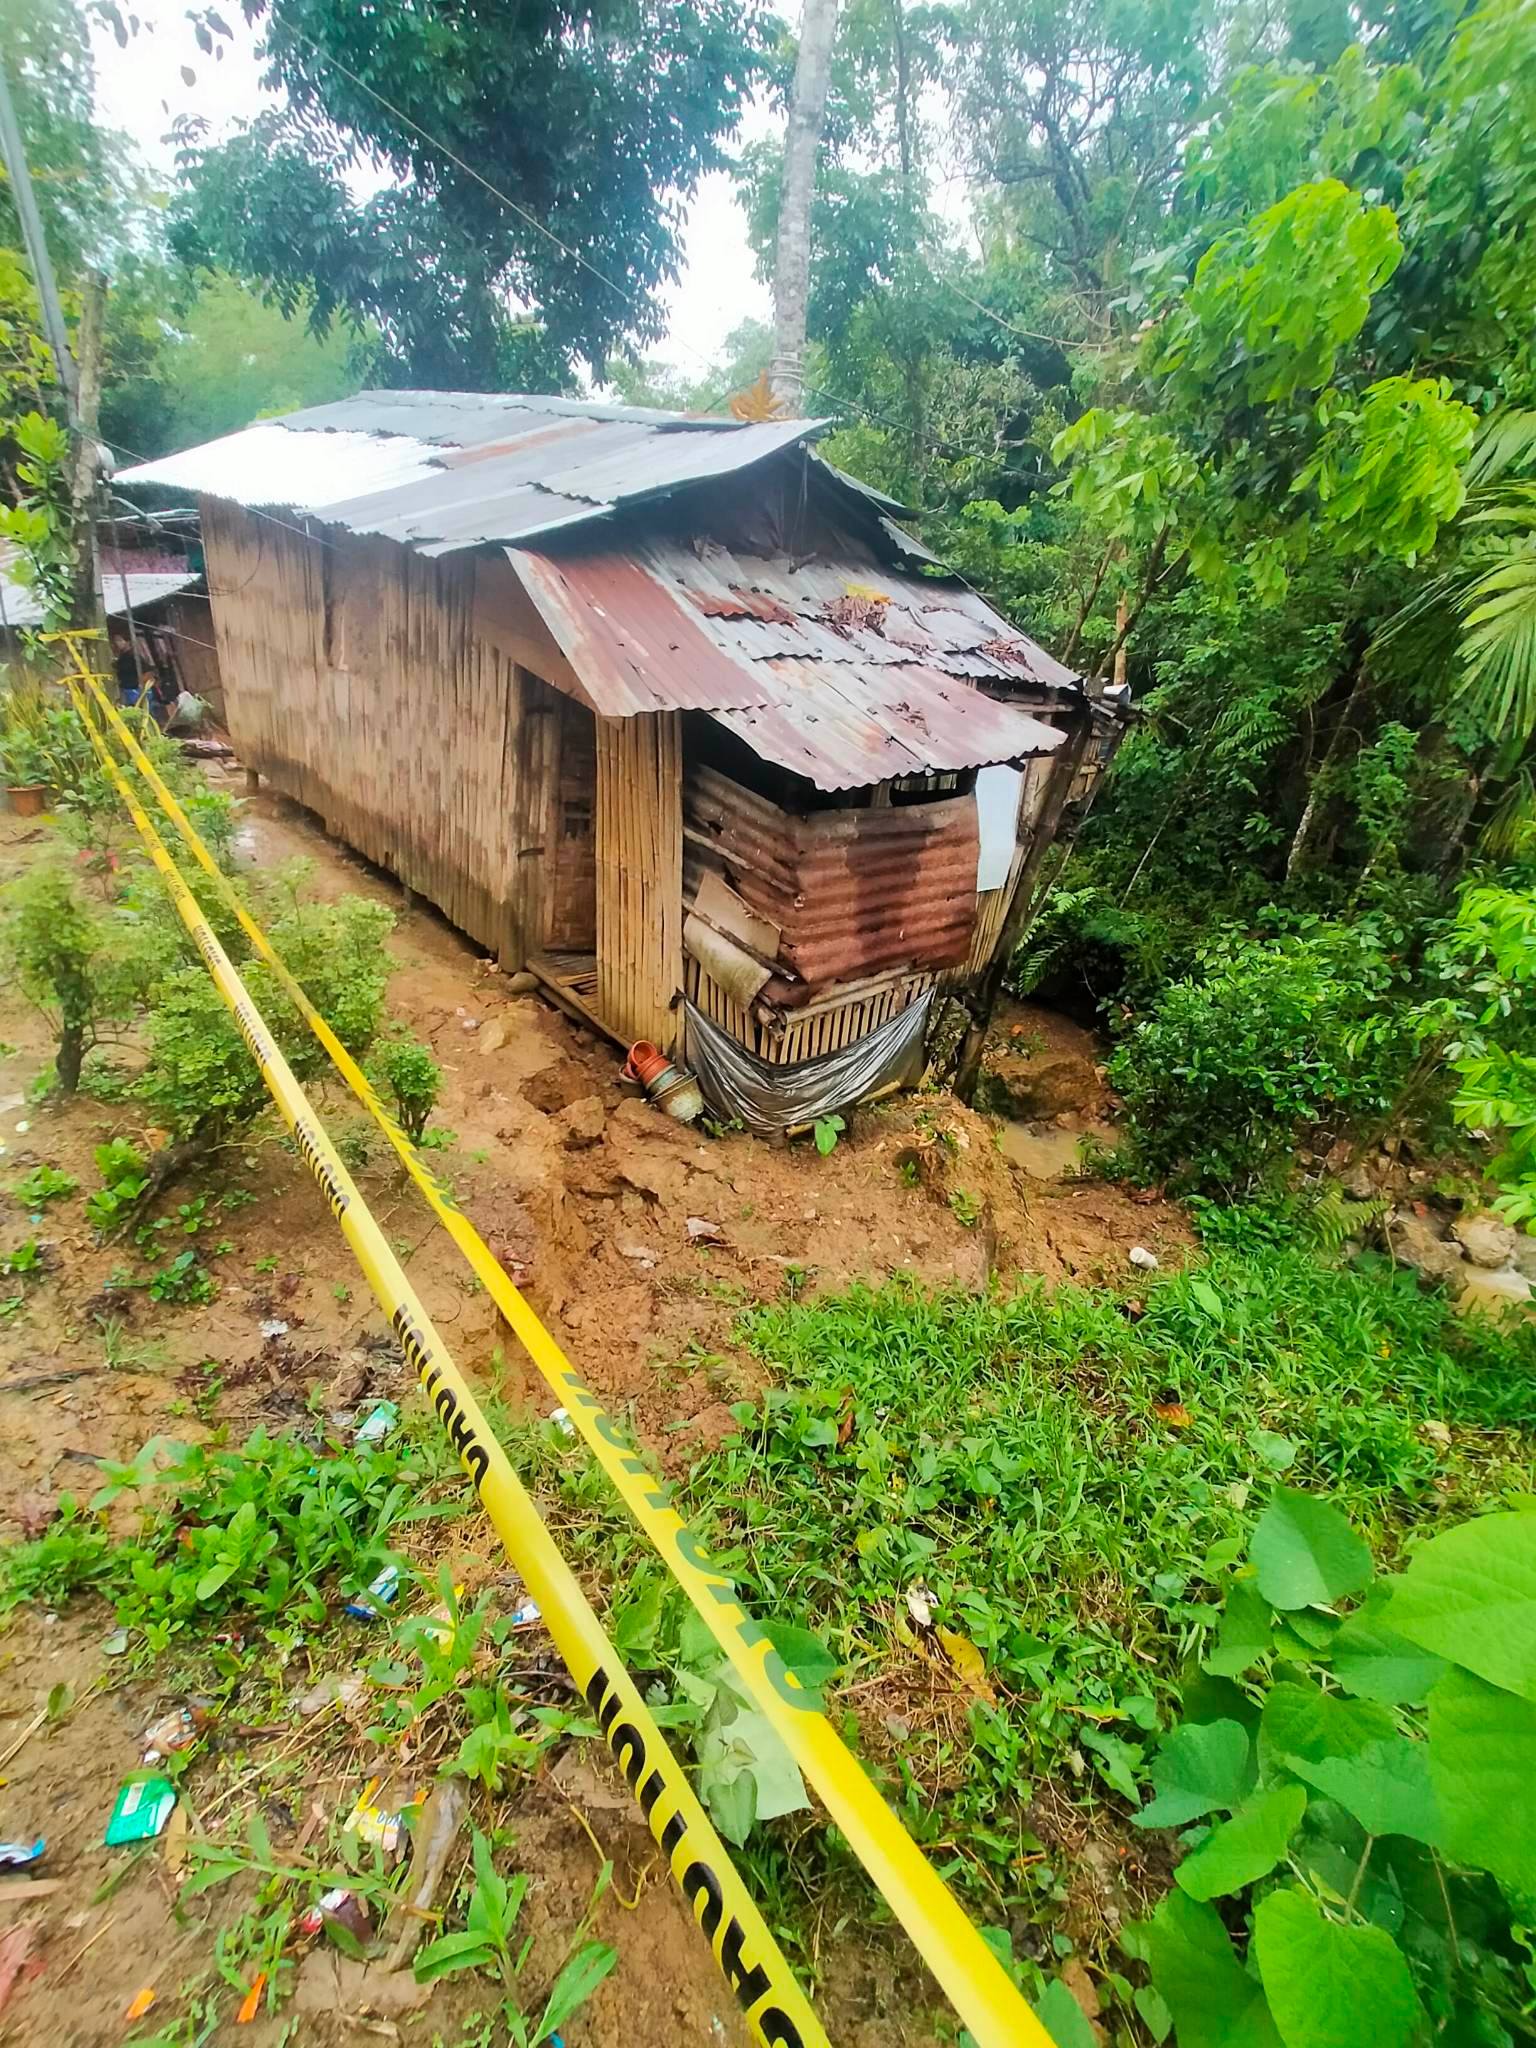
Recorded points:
(852, 891)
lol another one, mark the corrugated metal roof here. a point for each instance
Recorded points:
(844, 673)
(441, 470)
(633, 647)
(21, 607)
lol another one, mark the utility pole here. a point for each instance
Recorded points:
(802, 146)
(37, 247)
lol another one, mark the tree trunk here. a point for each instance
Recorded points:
(1309, 827)
(802, 145)
(70, 1057)
(85, 605)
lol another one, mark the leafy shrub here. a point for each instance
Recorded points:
(412, 1078)
(85, 966)
(1344, 1779)
(200, 1080)
(1496, 1060)
(1313, 1033)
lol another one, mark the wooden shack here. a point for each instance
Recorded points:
(665, 709)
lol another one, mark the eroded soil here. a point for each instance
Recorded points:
(585, 1193)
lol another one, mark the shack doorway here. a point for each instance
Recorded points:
(562, 836)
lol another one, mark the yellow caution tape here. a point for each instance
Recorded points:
(976, 1983)
(775, 2007)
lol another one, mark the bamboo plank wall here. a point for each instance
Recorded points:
(356, 679)
(640, 874)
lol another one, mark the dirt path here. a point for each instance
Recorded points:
(586, 1194)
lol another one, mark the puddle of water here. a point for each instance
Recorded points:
(1043, 1151)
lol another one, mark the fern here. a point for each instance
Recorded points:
(1334, 1218)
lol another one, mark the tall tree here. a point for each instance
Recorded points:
(802, 147)
(538, 159)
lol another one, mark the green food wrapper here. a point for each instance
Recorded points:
(140, 1811)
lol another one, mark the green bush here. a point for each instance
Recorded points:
(200, 1080)
(1351, 1779)
(87, 966)
(1312, 1035)
(1085, 935)
(407, 1071)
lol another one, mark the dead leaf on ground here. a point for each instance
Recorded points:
(702, 1231)
(15, 1948)
(1174, 1413)
(175, 1839)
(34, 1512)
(969, 1664)
(1081, 1986)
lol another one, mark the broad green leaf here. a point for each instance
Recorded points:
(732, 1802)
(1245, 1632)
(1352, 1752)
(1470, 1596)
(574, 1986)
(1063, 2018)
(1198, 1770)
(1386, 1786)
(1277, 1452)
(1331, 1986)
(1214, 2001)
(806, 1655)
(450, 1953)
(1482, 1759)
(1307, 1555)
(1369, 1657)
(1245, 1848)
(1207, 1297)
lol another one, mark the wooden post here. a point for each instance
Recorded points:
(981, 1001)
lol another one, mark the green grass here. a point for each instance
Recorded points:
(1008, 1454)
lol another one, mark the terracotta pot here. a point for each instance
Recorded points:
(645, 1063)
(29, 800)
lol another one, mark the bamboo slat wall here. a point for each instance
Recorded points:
(640, 873)
(361, 679)
(844, 1014)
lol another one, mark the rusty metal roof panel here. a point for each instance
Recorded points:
(442, 470)
(845, 725)
(632, 645)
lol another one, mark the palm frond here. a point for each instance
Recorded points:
(1507, 441)
(1498, 644)
(1512, 827)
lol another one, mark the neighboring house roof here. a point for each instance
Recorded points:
(841, 672)
(442, 470)
(21, 607)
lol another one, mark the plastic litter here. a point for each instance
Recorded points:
(560, 1417)
(526, 1613)
(379, 1423)
(177, 1730)
(140, 1811)
(368, 1606)
(17, 1855)
(373, 1824)
(274, 1326)
(1142, 1259)
(250, 2005)
(339, 1908)
(140, 2003)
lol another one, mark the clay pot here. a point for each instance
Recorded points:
(646, 1064)
(29, 799)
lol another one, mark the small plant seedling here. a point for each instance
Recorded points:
(267, 1265)
(487, 1943)
(965, 1207)
(342, 1293)
(439, 1140)
(186, 1281)
(123, 1180)
(26, 1258)
(412, 1079)
(42, 1185)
